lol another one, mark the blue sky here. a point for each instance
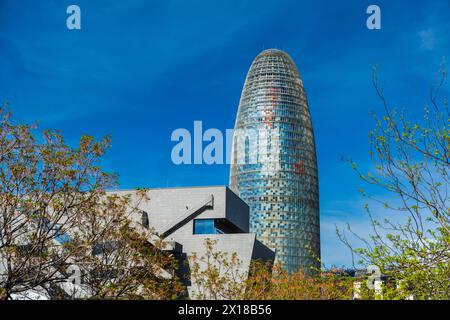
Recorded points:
(140, 69)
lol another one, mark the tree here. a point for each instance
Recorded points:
(216, 275)
(275, 283)
(412, 163)
(125, 259)
(61, 234)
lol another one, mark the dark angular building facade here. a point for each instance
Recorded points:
(273, 161)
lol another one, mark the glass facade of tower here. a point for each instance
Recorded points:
(273, 161)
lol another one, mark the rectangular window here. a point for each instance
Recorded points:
(204, 226)
(61, 237)
(215, 226)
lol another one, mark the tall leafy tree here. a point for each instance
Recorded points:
(411, 160)
(61, 234)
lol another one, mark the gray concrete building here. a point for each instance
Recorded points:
(185, 217)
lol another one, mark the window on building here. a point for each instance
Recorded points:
(144, 219)
(214, 226)
(204, 226)
(61, 237)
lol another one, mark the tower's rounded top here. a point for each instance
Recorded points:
(271, 60)
(273, 52)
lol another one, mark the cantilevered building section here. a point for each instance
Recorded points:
(273, 161)
(186, 217)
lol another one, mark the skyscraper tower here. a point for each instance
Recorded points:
(273, 161)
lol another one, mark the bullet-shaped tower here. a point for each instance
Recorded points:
(273, 161)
